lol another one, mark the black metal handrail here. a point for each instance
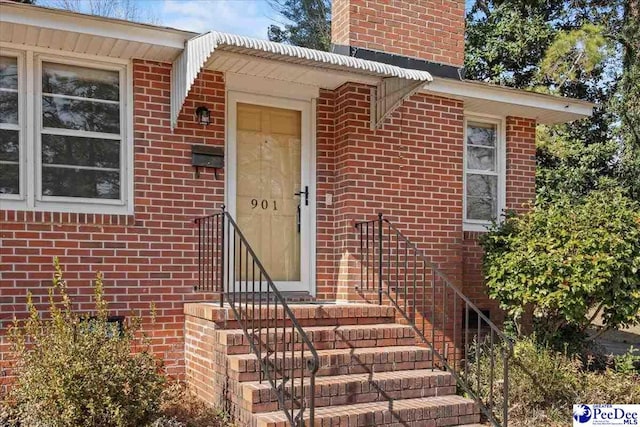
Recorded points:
(462, 338)
(229, 267)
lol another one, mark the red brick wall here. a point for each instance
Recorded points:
(410, 170)
(521, 172)
(147, 257)
(521, 163)
(432, 30)
(326, 265)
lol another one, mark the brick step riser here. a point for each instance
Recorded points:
(356, 392)
(356, 364)
(344, 370)
(393, 335)
(330, 345)
(233, 324)
(441, 416)
(356, 398)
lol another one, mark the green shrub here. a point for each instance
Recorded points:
(628, 363)
(82, 370)
(569, 262)
(544, 384)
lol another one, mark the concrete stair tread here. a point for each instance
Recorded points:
(343, 379)
(417, 410)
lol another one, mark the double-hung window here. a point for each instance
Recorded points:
(76, 152)
(80, 138)
(484, 172)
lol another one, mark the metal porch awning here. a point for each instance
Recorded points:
(395, 84)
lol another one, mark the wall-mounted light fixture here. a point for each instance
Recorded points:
(203, 115)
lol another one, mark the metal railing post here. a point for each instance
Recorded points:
(223, 249)
(380, 258)
(505, 386)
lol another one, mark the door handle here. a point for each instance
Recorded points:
(298, 218)
(306, 194)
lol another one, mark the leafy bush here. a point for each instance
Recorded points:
(569, 262)
(545, 384)
(81, 370)
(628, 363)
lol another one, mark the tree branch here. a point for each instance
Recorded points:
(594, 315)
(598, 334)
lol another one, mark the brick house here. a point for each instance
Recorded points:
(110, 131)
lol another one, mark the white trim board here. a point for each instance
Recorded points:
(502, 101)
(264, 86)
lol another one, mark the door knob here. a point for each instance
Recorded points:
(306, 194)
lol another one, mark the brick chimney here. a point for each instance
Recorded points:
(426, 30)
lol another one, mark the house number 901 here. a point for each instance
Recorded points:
(263, 204)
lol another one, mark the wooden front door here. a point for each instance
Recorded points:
(268, 176)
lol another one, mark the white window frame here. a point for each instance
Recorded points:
(501, 168)
(20, 127)
(30, 101)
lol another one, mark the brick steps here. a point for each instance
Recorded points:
(421, 412)
(372, 371)
(356, 388)
(324, 337)
(245, 367)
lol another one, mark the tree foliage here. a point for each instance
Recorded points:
(572, 54)
(308, 23)
(570, 261)
(505, 42)
(577, 252)
(569, 167)
(629, 105)
(587, 49)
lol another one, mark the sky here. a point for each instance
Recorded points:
(245, 17)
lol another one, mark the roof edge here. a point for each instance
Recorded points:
(462, 89)
(348, 62)
(200, 48)
(59, 19)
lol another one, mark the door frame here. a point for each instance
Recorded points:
(308, 172)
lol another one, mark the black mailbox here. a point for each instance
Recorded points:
(205, 156)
